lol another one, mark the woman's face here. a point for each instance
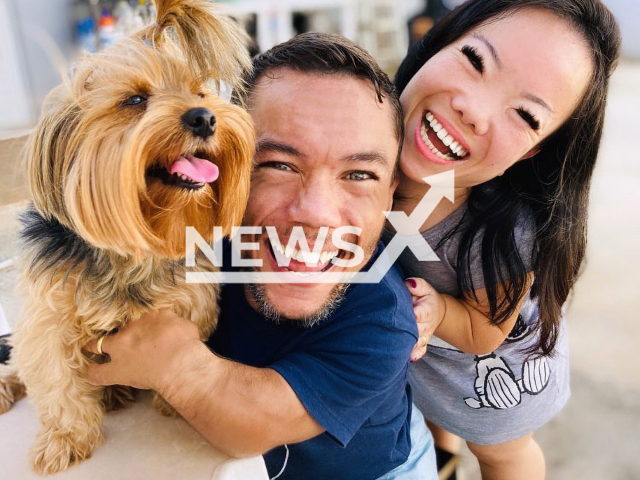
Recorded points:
(488, 99)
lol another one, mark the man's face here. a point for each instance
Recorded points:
(326, 156)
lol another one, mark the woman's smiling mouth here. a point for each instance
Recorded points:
(436, 143)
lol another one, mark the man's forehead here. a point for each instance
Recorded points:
(302, 107)
(292, 89)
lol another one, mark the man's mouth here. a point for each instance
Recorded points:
(439, 141)
(189, 172)
(301, 263)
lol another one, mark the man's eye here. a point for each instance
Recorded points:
(276, 166)
(474, 57)
(361, 176)
(134, 100)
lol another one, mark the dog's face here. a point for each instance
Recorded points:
(139, 147)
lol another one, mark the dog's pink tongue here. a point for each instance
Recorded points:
(197, 169)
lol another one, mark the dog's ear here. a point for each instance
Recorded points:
(50, 152)
(232, 186)
(214, 45)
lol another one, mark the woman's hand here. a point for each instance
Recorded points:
(429, 309)
(144, 352)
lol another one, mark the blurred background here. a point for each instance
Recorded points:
(596, 436)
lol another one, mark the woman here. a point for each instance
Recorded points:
(510, 94)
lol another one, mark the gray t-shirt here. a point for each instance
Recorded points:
(494, 398)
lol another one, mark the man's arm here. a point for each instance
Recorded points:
(241, 410)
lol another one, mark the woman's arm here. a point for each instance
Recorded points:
(464, 323)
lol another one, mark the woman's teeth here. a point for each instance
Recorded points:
(311, 259)
(455, 150)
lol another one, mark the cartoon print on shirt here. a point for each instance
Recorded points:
(519, 330)
(497, 387)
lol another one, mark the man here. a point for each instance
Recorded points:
(317, 372)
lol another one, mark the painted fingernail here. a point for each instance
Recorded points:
(412, 283)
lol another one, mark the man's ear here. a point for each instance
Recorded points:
(394, 185)
(531, 153)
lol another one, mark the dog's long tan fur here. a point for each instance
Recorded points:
(104, 242)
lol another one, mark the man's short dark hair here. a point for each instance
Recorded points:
(325, 53)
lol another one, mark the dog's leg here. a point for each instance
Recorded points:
(71, 414)
(199, 303)
(116, 397)
(49, 358)
(163, 407)
(11, 388)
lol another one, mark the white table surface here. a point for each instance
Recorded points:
(139, 444)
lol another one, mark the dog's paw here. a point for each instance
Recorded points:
(55, 451)
(116, 397)
(6, 398)
(11, 390)
(163, 407)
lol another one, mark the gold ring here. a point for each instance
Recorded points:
(424, 341)
(99, 346)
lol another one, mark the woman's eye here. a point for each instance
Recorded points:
(134, 100)
(529, 118)
(361, 176)
(474, 57)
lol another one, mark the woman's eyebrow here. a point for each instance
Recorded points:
(494, 54)
(492, 49)
(538, 100)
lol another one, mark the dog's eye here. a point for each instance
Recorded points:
(134, 100)
(201, 95)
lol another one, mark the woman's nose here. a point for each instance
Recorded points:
(473, 112)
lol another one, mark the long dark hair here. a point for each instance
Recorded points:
(553, 185)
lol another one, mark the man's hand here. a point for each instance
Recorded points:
(241, 410)
(144, 351)
(429, 308)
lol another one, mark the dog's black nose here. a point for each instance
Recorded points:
(200, 121)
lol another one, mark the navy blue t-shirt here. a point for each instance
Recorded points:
(349, 371)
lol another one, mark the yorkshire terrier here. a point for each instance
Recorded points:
(134, 147)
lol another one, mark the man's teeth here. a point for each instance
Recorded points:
(309, 258)
(443, 135)
(304, 274)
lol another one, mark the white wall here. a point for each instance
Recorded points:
(627, 13)
(27, 71)
(49, 20)
(409, 8)
(15, 107)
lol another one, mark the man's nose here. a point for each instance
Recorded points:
(317, 205)
(474, 112)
